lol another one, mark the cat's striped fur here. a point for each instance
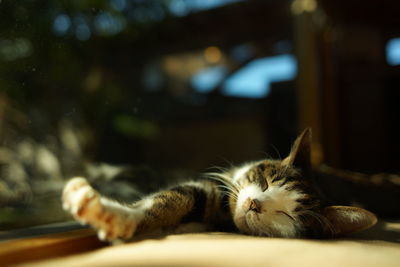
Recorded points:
(268, 198)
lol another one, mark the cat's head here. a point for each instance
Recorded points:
(277, 198)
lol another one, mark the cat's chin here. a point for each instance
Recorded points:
(241, 223)
(248, 223)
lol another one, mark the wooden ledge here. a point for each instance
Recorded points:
(48, 246)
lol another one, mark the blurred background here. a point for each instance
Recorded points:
(182, 85)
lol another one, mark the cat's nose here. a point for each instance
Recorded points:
(255, 205)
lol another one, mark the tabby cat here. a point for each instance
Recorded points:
(274, 198)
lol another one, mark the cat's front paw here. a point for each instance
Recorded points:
(110, 219)
(81, 200)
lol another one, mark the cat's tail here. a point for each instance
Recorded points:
(379, 193)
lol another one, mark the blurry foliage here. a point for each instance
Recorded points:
(61, 88)
(56, 55)
(134, 127)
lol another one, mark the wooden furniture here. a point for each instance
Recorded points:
(48, 246)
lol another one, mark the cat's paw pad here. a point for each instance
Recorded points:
(81, 200)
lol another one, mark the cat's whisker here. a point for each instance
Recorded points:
(276, 151)
(215, 175)
(232, 195)
(219, 179)
(218, 168)
(229, 192)
(225, 180)
(230, 163)
(230, 189)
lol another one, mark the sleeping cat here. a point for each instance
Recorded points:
(274, 198)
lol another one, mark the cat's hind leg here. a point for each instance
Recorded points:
(111, 219)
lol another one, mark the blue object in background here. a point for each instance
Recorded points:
(393, 52)
(254, 79)
(251, 81)
(206, 80)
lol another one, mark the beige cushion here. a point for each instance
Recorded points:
(223, 249)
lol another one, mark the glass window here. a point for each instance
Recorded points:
(132, 93)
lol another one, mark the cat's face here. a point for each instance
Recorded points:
(276, 198)
(273, 199)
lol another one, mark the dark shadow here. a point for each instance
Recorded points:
(383, 231)
(40, 230)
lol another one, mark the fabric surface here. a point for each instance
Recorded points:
(379, 246)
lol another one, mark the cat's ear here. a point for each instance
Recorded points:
(346, 219)
(300, 154)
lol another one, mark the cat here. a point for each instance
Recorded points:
(272, 198)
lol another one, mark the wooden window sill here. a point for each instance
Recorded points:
(21, 250)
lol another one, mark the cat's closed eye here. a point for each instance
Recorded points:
(286, 214)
